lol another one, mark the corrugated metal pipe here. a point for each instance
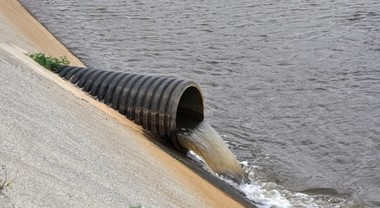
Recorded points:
(155, 102)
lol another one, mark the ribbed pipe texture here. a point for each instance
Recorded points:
(155, 102)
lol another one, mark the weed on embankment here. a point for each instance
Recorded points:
(49, 62)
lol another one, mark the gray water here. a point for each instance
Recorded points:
(292, 86)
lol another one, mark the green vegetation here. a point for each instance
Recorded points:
(49, 62)
(135, 206)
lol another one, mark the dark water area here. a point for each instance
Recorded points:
(292, 86)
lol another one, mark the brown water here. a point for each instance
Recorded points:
(292, 86)
(202, 139)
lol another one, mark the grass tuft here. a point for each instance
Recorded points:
(4, 183)
(49, 62)
(136, 206)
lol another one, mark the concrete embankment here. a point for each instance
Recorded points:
(64, 149)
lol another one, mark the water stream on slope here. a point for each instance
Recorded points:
(207, 146)
(204, 141)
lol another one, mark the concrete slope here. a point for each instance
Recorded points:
(28, 31)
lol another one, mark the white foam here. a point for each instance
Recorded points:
(272, 195)
(263, 197)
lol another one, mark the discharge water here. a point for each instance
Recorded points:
(207, 146)
(292, 87)
(202, 139)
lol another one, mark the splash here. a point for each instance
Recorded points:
(206, 145)
(202, 139)
(270, 195)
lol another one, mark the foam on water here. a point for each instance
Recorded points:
(208, 148)
(270, 194)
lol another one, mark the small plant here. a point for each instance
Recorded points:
(4, 183)
(49, 62)
(135, 206)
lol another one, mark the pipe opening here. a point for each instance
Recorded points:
(190, 106)
(189, 114)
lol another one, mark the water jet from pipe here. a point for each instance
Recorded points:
(203, 140)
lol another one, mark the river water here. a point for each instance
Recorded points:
(292, 86)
